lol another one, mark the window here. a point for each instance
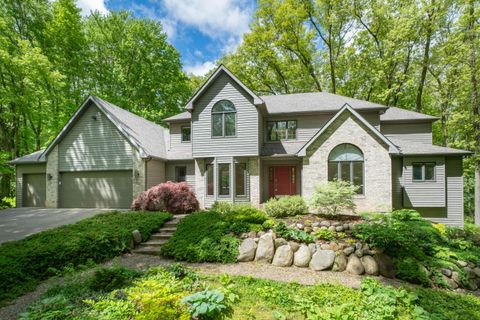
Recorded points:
(281, 130)
(209, 169)
(223, 179)
(180, 174)
(223, 119)
(423, 171)
(345, 162)
(186, 132)
(240, 179)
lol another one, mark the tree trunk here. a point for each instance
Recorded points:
(421, 83)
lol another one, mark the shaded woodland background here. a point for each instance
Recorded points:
(419, 55)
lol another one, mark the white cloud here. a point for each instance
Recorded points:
(88, 6)
(214, 18)
(199, 68)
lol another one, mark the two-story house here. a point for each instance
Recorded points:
(233, 145)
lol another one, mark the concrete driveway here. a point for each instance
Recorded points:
(17, 223)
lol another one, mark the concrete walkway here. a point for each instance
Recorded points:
(18, 223)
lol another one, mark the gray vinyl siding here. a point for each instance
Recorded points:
(155, 172)
(176, 145)
(416, 132)
(246, 140)
(420, 193)
(454, 177)
(94, 145)
(397, 183)
(170, 171)
(22, 169)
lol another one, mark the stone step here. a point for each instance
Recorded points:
(158, 236)
(154, 251)
(170, 224)
(171, 229)
(154, 243)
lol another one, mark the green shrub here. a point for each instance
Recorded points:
(202, 237)
(25, 262)
(333, 196)
(7, 202)
(208, 305)
(325, 234)
(237, 212)
(285, 206)
(268, 224)
(109, 279)
(239, 227)
(287, 233)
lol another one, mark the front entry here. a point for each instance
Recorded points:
(282, 181)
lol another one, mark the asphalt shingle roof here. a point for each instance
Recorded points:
(35, 157)
(399, 114)
(408, 147)
(179, 117)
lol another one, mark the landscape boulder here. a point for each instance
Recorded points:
(340, 263)
(302, 256)
(137, 236)
(385, 265)
(247, 250)
(354, 265)
(294, 245)
(283, 256)
(370, 265)
(265, 249)
(280, 242)
(322, 260)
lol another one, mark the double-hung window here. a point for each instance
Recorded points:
(186, 134)
(423, 171)
(281, 130)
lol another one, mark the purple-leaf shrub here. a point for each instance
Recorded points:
(174, 197)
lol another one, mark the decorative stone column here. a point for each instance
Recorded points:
(200, 181)
(52, 179)
(254, 173)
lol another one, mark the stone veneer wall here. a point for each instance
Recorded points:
(254, 174)
(377, 163)
(52, 184)
(139, 182)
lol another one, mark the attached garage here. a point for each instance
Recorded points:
(34, 190)
(96, 189)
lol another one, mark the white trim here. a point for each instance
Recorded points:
(256, 99)
(346, 107)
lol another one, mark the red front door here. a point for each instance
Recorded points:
(282, 181)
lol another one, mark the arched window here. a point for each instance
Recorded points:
(345, 162)
(223, 119)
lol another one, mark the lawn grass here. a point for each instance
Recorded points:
(24, 263)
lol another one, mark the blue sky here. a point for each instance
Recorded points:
(202, 30)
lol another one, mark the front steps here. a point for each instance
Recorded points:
(152, 246)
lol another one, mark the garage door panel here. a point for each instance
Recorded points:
(96, 189)
(34, 190)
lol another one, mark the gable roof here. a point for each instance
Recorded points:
(314, 102)
(348, 108)
(222, 69)
(394, 114)
(147, 137)
(35, 157)
(412, 148)
(184, 116)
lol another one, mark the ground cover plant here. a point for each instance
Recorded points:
(25, 262)
(177, 292)
(420, 248)
(174, 197)
(203, 237)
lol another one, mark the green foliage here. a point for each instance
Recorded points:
(109, 279)
(287, 206)
(25, 262)
(7, 202)
(268, 224)
(287, 233)
(325, 234)
(239, 212)
(333, 196)
(202, 237)
(208, 304)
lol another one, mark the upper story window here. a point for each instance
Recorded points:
(345, 162)
(281, 130)
(223, 119)
(186, 134)
(423, 171)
